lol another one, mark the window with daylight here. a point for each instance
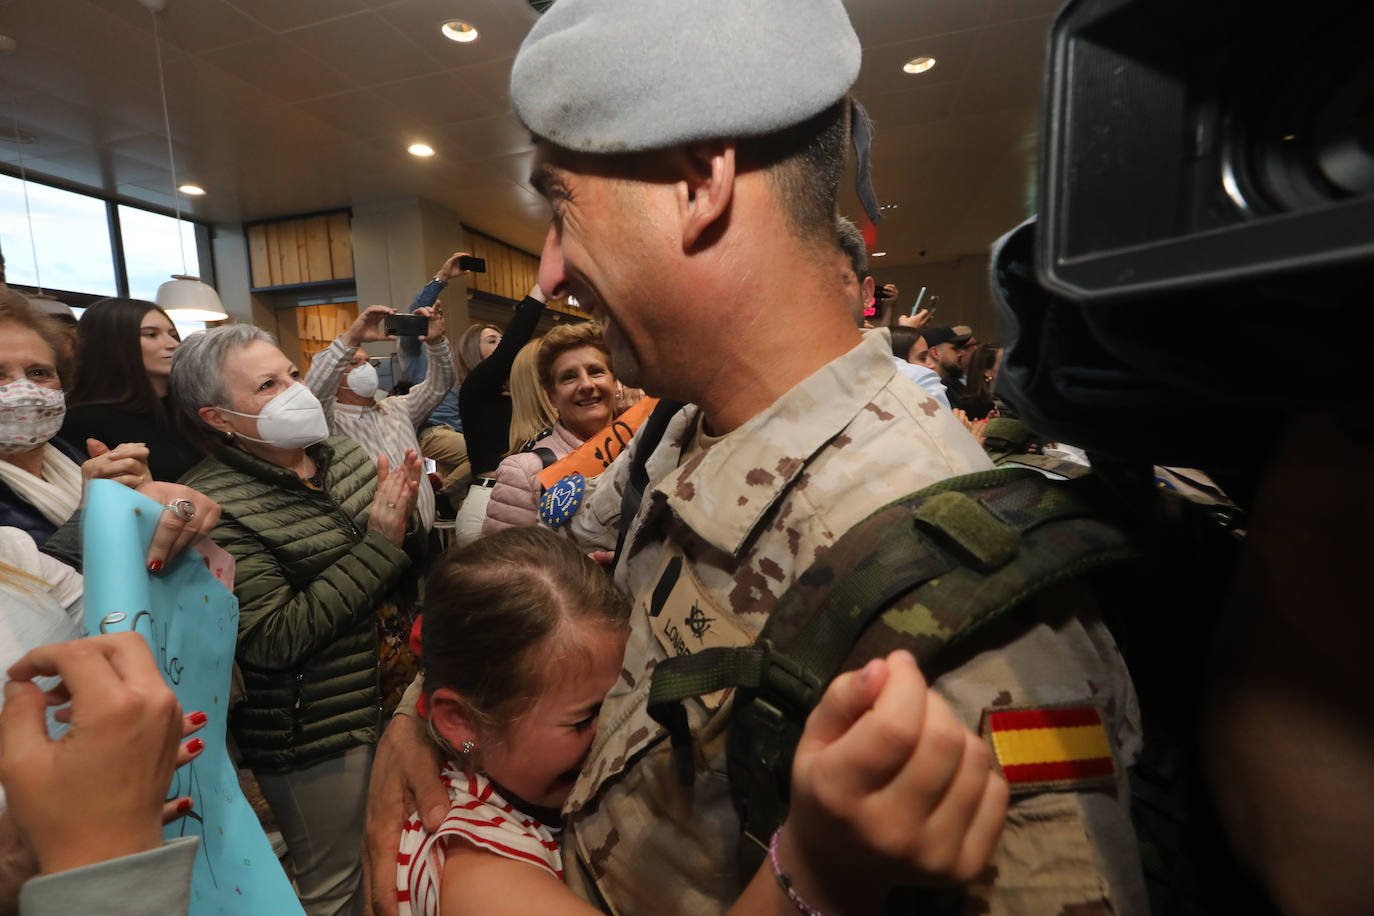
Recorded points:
(71, 234)
(151, 251)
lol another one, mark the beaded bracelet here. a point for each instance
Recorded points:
(785, 880)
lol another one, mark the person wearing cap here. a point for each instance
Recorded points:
(693, 185)
(945, 347)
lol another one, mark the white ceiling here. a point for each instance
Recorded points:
(291, 106)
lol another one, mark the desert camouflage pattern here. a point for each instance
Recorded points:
(719, 536)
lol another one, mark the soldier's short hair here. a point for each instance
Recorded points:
(851, 242)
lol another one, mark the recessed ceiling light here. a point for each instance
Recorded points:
(420, 149)
(458, 30)
(918, 65)
(879, 254)
(194, 190)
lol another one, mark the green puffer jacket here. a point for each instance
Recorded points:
(309, 576)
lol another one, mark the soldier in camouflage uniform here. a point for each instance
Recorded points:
(713, 296)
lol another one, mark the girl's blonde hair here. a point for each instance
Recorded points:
(531, 410)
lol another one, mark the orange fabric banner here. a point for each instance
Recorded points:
(596, 454)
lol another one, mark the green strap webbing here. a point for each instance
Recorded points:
(817, 620)
(901, 560)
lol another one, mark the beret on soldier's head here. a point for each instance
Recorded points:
(613, 76)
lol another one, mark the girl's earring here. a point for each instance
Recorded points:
(468, 747)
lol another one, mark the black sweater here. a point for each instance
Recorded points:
(170, 454)
(485, 409)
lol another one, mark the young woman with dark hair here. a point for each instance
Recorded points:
(977, 401)
(124, 363)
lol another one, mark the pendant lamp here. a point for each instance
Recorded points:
(184, 297)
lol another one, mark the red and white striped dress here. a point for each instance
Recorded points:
(480, 816)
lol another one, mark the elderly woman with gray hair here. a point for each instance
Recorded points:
(318, 534)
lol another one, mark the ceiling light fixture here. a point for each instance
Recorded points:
(918, 65)
(193, 190)
(879, 254)
(183, 296)
(420, 149)
(459, 31)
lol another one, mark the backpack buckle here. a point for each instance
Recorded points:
(787, 681)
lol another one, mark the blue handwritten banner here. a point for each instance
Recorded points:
(191, 622)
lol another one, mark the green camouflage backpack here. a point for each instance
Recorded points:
(930, 569)
(921, 573)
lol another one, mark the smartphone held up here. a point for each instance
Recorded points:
(405, 325)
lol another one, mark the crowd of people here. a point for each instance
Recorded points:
(479, 727)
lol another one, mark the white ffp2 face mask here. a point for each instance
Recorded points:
(292, 419)
(30, 415)
(363, 380)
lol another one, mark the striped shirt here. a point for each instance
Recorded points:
(480, 816)
(388, 425)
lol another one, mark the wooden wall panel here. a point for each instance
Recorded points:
(340, 246)
(287, 255)
(257, 256)
(317, 249)
(273, 255)
(317, 325)
(511, 272)
(311, 249)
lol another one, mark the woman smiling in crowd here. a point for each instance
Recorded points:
(574, 370)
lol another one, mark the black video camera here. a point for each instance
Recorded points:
(1206, 213)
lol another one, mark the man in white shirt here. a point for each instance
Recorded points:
(345, 381)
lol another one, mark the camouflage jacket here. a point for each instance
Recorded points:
(717, 539)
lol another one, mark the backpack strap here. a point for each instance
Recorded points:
(920, 573)
(650, 435)
(1066, 469)
(1005, 436)
(546, 455)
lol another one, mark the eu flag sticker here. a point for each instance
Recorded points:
(561, 500)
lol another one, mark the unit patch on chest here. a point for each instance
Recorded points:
(684, 620)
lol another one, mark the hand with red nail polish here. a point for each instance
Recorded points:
(125, 725)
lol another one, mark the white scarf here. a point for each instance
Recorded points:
(56, 494)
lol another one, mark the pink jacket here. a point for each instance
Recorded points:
(515, 498)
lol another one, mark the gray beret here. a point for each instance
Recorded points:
(606, 76)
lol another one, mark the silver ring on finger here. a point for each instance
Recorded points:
(183, 507)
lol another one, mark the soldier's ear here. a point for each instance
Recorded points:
(452, 717)
(704, 192)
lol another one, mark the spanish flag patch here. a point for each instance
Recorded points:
(1043, 748)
